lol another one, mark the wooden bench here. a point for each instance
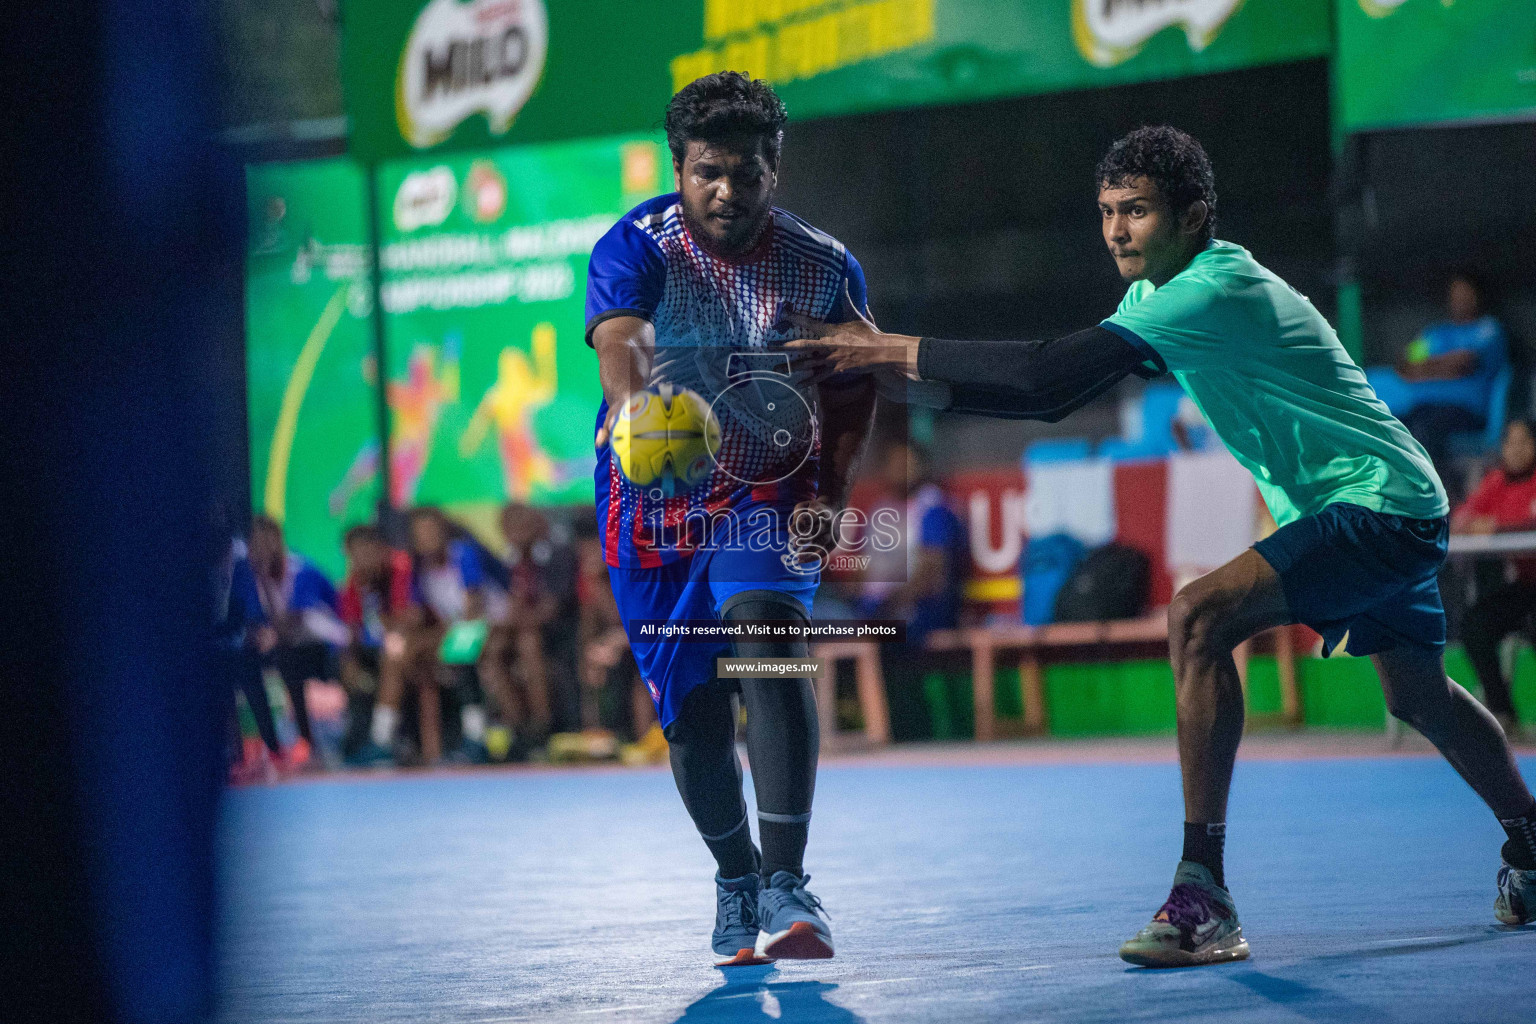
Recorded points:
(1031, 643)
(870, 682)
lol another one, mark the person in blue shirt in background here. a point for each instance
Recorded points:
(291, 619)
(1443, 383)
(237, 660)
(926, 592)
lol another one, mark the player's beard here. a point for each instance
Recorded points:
(729, 250)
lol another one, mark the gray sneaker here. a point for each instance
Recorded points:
(735, 915)
(793, 924)
(1516, 904)
(1197, 925)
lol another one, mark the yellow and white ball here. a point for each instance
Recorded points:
(663, 439)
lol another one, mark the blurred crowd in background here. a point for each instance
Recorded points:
(445, 647)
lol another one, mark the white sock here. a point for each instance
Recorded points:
(472, 720)
(382, 728)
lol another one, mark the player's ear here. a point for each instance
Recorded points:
(1194, 217)
(677, 175)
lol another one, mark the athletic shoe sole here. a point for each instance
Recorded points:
(799, 941)
(1512, 907)
(746, 957)
(1513, 920)
(1184, 958)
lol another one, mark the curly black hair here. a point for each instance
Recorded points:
(724, 104)
(1172, 160)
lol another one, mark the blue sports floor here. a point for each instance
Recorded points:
(981, 893)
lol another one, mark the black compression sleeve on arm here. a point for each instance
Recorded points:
(1030, 379)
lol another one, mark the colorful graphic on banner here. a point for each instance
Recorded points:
(492, 388)
(1404, 62)
(471, 74)
(309, 344)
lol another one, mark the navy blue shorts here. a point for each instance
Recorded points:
(700, 587)
(1352, 570)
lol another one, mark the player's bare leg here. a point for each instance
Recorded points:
(1207, 620)
(496, 674)
(1420, 693)
(529, 647)
(420, 672)
(430, 717)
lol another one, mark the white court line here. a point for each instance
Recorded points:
(1004, 967)
(1416, 938)
(619, 1009)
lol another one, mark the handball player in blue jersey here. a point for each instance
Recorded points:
(689, 291)
(1361, 512)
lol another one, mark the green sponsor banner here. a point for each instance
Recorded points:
(1423, 61)
(492, 388)
(456, 74)
(310, 369)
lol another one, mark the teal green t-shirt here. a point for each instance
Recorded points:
(1273, 381)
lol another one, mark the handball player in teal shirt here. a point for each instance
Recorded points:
(1361, 512)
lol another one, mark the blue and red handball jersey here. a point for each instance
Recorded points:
(716, 320)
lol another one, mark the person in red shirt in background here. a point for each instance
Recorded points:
(375, 596)
(1505, 499)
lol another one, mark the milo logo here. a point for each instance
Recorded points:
(483, 57)
(425, 198)
(1108, 32)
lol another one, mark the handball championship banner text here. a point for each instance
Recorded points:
(469, 74)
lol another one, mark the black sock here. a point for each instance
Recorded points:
(734, 853)
(1520, 851)
(783, 846)
(1203, 843)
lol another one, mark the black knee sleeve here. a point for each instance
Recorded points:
(766, 606)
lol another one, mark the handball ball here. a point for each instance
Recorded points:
(663, 438)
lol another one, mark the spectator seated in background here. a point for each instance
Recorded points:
(293, 621)
(1443, 384)
(454, 599)
(375, 602)
(921, 583)
(1505, 499)
(541, 587)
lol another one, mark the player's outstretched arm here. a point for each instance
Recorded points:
(1011, 379)
(625, 347)
(1040, 380)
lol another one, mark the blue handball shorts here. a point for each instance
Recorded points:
(1349, 569)
(701, 587)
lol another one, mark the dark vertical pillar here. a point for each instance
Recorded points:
(120, 302)
(386, 509)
